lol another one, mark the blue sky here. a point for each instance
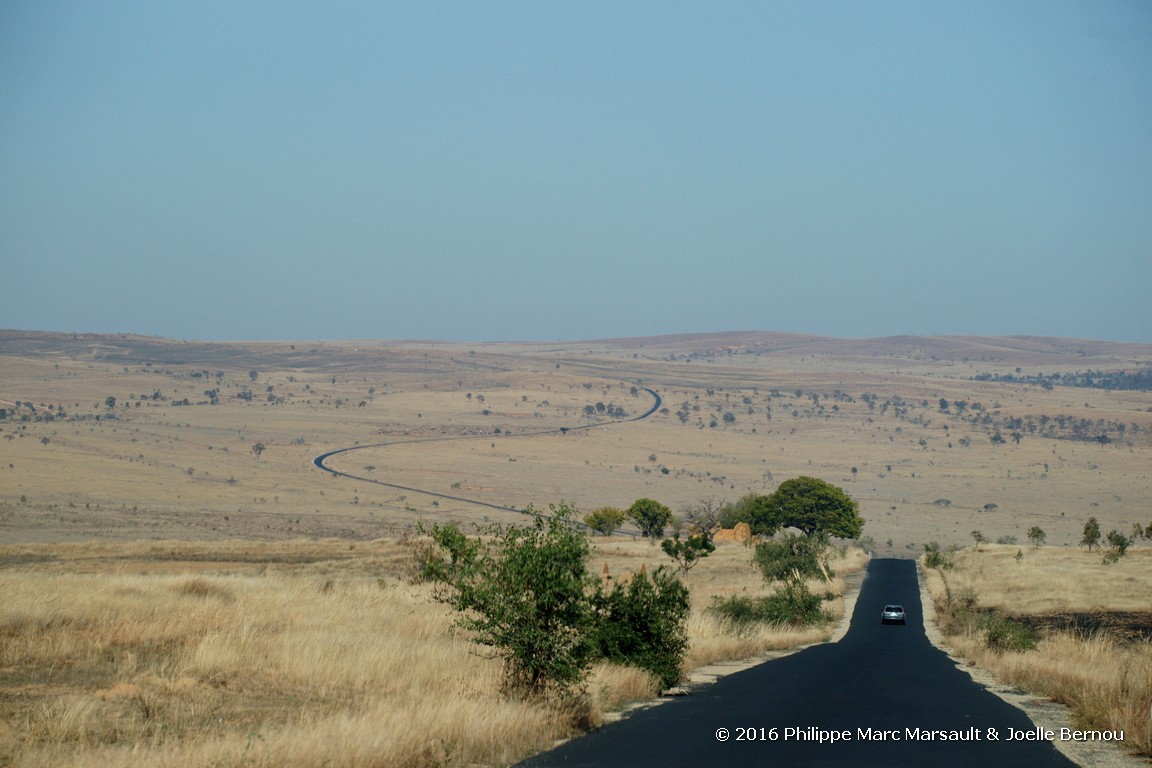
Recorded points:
(483, 171)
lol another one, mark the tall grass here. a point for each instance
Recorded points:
(305, 660)
(1106, 682)
(274, 670)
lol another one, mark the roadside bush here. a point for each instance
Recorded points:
(1004, 634)
(999, 633)
(525, 591)
(642, 623)
(934, 557)
(790, 604)
(791, 556)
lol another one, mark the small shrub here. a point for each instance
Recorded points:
(642, 623)
(1004, 634)
(1118, 545)
(522, 592)
(791, 556)
(790, 604)
(688, 552)
(525, 592)
(650, 516)
(934, 557)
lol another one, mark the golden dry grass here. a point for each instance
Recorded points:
(727, 572)
(1052, 579)
(280, 668)
(204, 604)
(1103, 677)
(292, 654)
(167, 471)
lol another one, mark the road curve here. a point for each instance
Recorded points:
(894, 698)
(320, 461)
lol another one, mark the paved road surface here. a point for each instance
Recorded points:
(321, 461)
(884, 678)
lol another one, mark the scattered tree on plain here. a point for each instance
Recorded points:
(1091, 534)
(688, 552)
(650, 516)
(1118, 545)
(606, 520)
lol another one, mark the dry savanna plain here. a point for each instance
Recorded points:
(184, 586)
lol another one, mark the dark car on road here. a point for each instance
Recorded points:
(892, 614)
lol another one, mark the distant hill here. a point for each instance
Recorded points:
(999, 352)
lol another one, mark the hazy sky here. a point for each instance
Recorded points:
(544, 170)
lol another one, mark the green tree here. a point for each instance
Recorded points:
(110, 402)
(811, 505)
(606, 520)
(650, 516)
(690, 551)
(1118, 545)
(1091, 534)
(257, 449)
(523, 591)
(1036, 535)
(740, 512)
(788, 561)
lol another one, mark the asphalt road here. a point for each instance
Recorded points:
(320, 462)
(877, 678)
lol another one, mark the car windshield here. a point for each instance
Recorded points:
(893, 609)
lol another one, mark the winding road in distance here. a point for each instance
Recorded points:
(320, 460)
(879, 688)
(881, 696)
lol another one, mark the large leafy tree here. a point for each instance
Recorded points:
(813, 506)
(650, 516)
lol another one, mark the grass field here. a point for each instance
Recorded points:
(1095, 620)
(740, 413)
(177, 565)
(294, 653)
